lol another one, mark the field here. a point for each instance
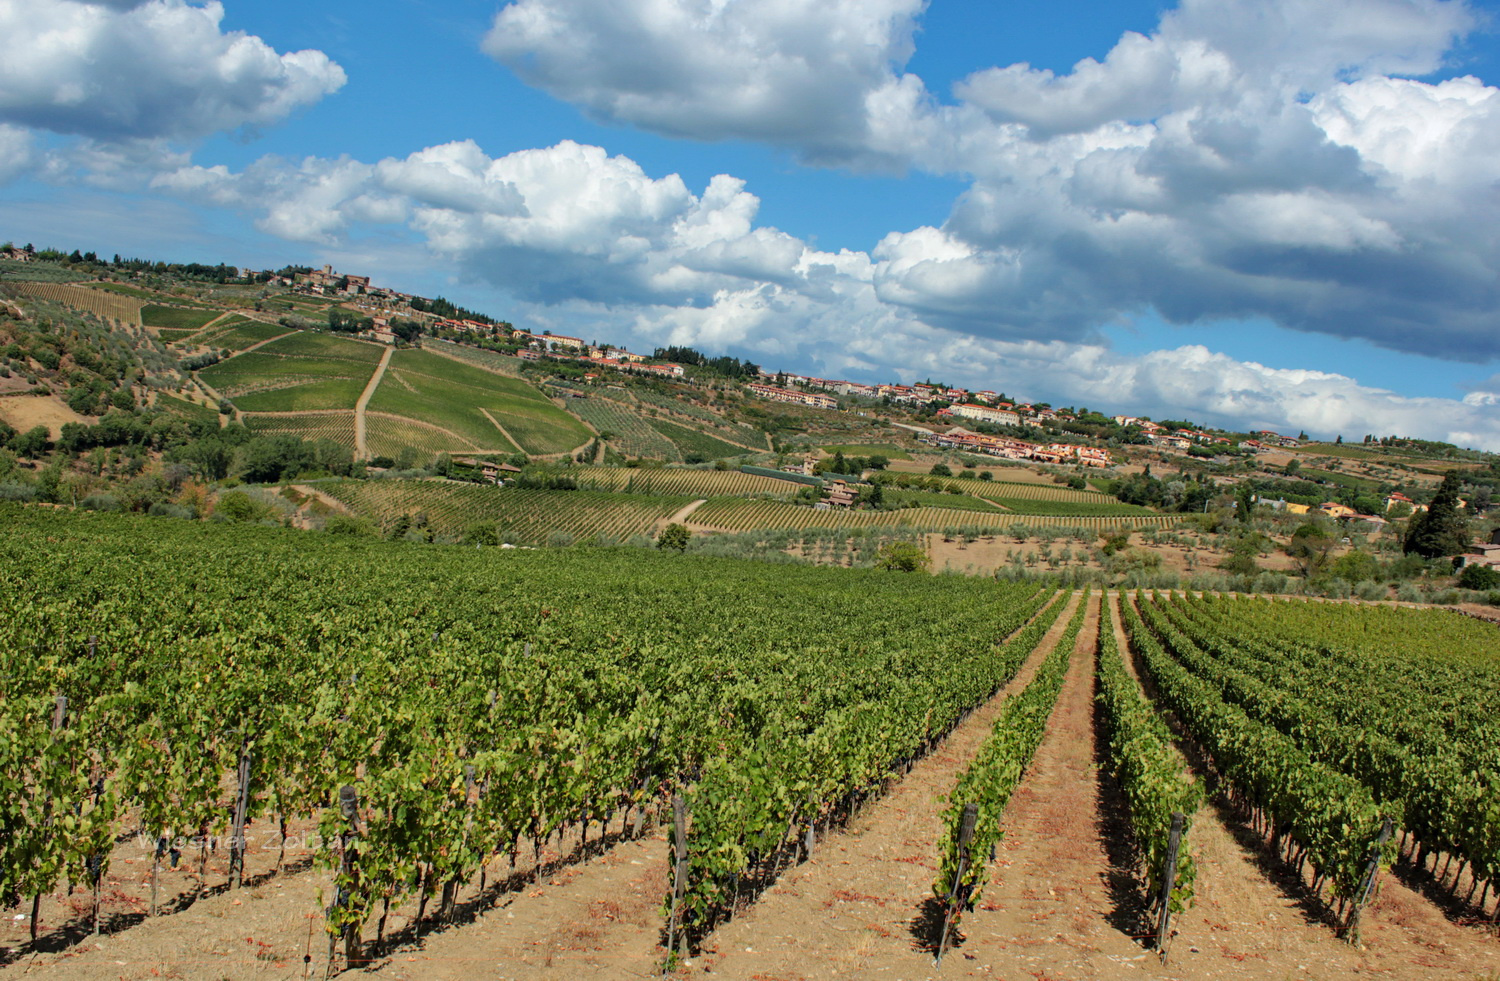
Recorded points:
(477, 356)
(631, 434)
(38, 272)
(388, 435)
(125, 290)
(1100, 506)
(934, 499)
(680, 481)
(472, 405)
(517, 729)
(702, 443)
(731, 514)
(526, 516)
(178, 318)
(335, 425)
(183, 407)
(105, 305)
(299, 373)
(238, 333)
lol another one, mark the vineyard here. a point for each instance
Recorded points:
(1005, 491)
(474, 404)
(238, 333)
(183, 407)
(691, 758)
(532, 517)
(390, 435)
(335, 425)
(178, 320)
(730, 514)
(683, 481)
(630, 434)
(101, 304)
(272, 379)
(504, 364)
(705, 444)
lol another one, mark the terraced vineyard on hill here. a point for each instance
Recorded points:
(525, 516)
(679, 480)
(304, 371)
(473, 404)
(337, 425)
(99, 303)
(733, 514)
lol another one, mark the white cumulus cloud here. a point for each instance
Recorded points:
(789, 72)
(149, 69)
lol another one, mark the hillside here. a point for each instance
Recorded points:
(163, 378)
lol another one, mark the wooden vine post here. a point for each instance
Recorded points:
(348, 870)
(679, 876)
(241, 810)
(59, 720)
(958, 894)
(1366, 884)
(1168, 883)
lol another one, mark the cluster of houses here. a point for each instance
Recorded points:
(16, 255)
(816, 400)
(1181, 439)
(1008, 448)
(465, 326)
(1342, 512)
(983, 406)
(560, 347)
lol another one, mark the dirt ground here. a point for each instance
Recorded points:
(28, 411)
(984, 556)
(1005, 470)
(1062, 901)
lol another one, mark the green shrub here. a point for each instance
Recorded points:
(1480, 577)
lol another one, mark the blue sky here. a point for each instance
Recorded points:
(1261, 213)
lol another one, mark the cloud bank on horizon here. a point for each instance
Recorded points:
(1276, 159)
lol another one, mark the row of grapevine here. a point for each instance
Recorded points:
(1409, 746)
(682, 481)
(491, 360)
(388, 435)
(474, 705)
(1332, 816)
(809, 763)
(1001, 762)
(335, 425)
(1002, 489)
(1151, 771)
(529, 516)
(731, 514)
(109, 306)
(684, 407)
(629, 433)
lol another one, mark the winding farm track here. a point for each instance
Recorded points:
(361, 447)
(503, 432)
(681, 517)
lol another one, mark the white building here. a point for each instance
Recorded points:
(983, 413)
